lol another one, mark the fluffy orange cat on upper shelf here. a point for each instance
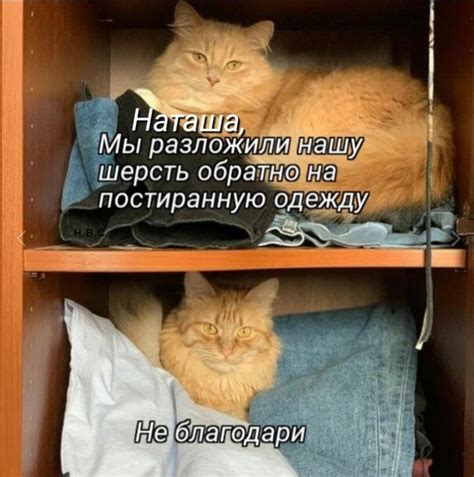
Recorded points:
(212, 67)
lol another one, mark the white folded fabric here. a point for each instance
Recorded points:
(112, 386)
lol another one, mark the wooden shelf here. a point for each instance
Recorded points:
(65, 259)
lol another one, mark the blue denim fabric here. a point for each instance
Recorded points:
(92, 118)
(350, 377)
(76, 187)
(290, 231)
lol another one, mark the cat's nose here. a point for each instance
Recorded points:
(226, 352)
(212, 80)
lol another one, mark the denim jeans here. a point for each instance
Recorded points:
(92, 118)
(158, 223)
(290, 231)
(350, 377)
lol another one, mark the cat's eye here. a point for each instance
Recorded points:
(199, 57)
(244, 332)
(209, 328)
(234, 65)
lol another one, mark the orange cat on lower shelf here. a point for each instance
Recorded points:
(218, 342)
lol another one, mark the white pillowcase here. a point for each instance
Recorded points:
(112, 386)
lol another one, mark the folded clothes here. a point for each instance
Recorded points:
(350, 377)
(84, 223)
(92, 118)
(290, 231)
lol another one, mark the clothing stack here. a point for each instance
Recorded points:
(84, 222)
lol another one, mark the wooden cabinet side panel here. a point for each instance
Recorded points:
(454, 83)
(46, 363)
(11, 248)
(469, 359)
(443, 370)
(65, 44)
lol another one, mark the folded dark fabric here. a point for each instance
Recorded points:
(86, 224)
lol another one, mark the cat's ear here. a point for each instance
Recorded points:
(264, 293)
(260, 34)
(185, 17)
(196, 285)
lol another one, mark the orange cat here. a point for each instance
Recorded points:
(218, 342)
(220, 68)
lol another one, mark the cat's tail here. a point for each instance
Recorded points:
(138, 314)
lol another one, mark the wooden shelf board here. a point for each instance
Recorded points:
(67, 259)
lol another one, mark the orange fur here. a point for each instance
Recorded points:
(384, 105)
(137, 313)
(221, 371)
